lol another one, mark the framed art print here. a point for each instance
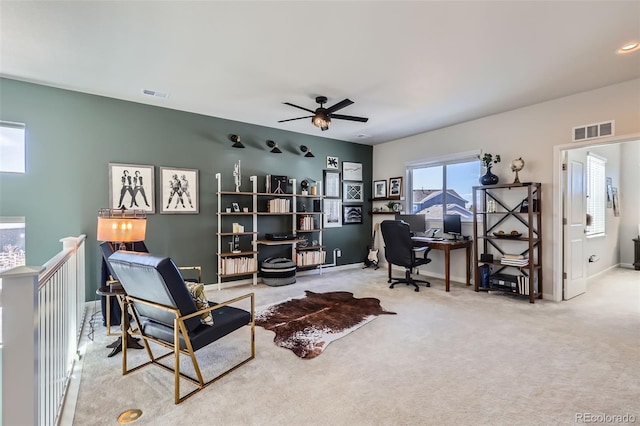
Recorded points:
(131, 187)
(331, 183)
(178, 191)
(352, 192)
(352, 215)
(332, 214)
(332, 162)
(380, 189)
(351, 171)
(395, 187)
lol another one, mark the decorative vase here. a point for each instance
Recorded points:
(489, 178)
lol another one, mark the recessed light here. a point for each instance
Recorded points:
(362, 136)
(629, 47)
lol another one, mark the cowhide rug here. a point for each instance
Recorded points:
(308, 325)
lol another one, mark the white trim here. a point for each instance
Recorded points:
(556, 194)
(444, 159)
(597, 274)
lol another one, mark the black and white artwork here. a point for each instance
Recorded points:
(131, 187)
(352, 192)
(332, 162)
(331, 183)
(380, 189)
(178, 191)
(609, 192)
(351, 171)
(352, 215)
(332, 217)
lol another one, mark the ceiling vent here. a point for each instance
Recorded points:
(593, 131)
(154, 93)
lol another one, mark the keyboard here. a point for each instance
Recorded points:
(428, 238)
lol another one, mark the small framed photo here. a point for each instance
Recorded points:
(351, 171)
(236, 207)
(331, 183)
(379, 189)
(395, 187)
(332, 213)
(352, 215)
(179, 191)
(332, 162)
(352, 192)
(131, 187)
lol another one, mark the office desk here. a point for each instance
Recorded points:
(446, 246)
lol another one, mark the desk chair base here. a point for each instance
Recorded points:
(409, 281)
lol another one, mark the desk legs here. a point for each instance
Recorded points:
(447, 267)
(468, 260)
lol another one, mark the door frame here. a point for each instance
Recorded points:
(558, 190)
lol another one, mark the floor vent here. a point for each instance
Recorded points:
(593, 131)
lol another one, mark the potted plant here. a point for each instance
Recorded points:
(488, 160)
(391, 205)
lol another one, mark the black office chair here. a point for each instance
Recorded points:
(399, 250)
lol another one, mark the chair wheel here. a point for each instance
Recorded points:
(391, 286)
(417, 289)
(428, 284)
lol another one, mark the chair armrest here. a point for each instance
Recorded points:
(424, 250)
(226, 303)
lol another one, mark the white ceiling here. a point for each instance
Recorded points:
(410, 67)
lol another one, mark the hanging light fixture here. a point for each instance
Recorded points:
(272, 144)
(308, 154)
(236, 141)
(121, 226)
(321, 119)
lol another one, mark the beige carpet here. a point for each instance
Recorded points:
(458, 358)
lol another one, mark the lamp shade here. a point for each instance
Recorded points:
(121, 227)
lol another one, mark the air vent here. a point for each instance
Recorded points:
(154, 93)
(593, 131)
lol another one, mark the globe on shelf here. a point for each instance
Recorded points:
(516, 166)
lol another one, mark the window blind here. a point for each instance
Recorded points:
(596, 192)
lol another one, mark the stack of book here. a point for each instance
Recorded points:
(305, 223)
(311, 258)
(238, 265)
(514, 260)
(279, 205)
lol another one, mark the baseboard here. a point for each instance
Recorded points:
(249, 281)
(597, 274)
(627, 265)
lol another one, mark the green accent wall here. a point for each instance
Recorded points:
(71, 138)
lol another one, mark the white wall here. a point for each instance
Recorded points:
(530, 133)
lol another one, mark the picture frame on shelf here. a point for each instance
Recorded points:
(352, 192)
(179, 191)
(132, 186)
(352, 215)
(351, 171)
(332, 162)
(395, 187)
(379, 189)
(332, 213)
(331, 179)
(235, 207)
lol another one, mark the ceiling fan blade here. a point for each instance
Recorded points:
(350, 118)
(291, 119)
(296, 106)
(339, 105)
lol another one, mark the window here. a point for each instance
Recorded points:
(12, 147)
(443, 186)
(596, 194)
(12, 242)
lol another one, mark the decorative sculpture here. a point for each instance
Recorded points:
(237, 175)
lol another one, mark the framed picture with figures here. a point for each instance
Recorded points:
(131, 187)
(178, 191)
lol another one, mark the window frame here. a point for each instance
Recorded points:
(23, 127)
(596, 179)
(462, 157)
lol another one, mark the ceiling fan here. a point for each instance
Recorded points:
(322, 116)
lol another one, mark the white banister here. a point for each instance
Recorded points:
(43, 313)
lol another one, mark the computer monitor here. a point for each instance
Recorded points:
(452, 225)
(417, 222)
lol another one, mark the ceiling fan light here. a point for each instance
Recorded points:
(321, 120)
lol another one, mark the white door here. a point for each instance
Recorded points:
(575, 212)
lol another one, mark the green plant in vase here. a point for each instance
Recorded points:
(391, 205)
(488, 160)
